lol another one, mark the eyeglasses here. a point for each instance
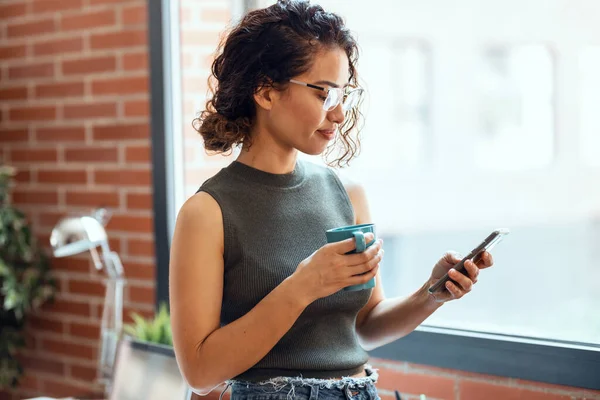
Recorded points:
(335, 96)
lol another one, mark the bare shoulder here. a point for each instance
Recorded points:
(200, 211)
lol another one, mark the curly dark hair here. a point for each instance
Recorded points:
(267, 48)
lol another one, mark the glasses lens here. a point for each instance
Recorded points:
(351, 100)
(333, 99)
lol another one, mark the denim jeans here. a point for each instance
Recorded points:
(287, 388)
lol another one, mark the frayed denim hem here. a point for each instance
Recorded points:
(280, 382)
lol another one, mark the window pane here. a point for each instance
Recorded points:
(516, 108)
(590, 103)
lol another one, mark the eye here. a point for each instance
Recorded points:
(323, 98)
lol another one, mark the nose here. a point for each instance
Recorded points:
(337, 115)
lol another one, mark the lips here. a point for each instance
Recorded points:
(327, 133)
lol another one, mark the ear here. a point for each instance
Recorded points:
(265, 96)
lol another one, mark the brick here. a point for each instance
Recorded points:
(68, 307)
(45, 324)
(86, 287)
(137, 154)
(140, 247)
(127, 311)
(117, 40)
(41, 6)
(218, 15)
(45, 70)
(135, 61)
(32, 113)
(38, 363)
(416, 384)
(35, 197)
(14, 135)
(92, 198)
(62, 347)
(475, 390)
(70, 264)
(23, 176)
(60, 133)
(120, 86)
(89, 331)
(135, 15)
(89, 65)
(137, 108)
(59, 388)
(13, 10)
(88, 20)
(50, 218)
(33, 155)
(38, 27)
(141, 294)
(83, 373)
(121, 131)
(13, 93)
(29, 381)
(123, 177)
(91, 154)
(140, 201)
(11, 52)
(140, 271)
(94, 2)
(94, 110)
(131, 223)
(194, 37)
(58, 90)
(58, 46)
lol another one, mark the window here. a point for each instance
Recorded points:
(473, 122)
(590, 102)
(516, 108)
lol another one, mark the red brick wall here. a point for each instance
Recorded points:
(74, 120)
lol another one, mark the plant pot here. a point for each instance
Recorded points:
(148, 371)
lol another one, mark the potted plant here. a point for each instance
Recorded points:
(25, 280)
(156, 331)
(145, 355)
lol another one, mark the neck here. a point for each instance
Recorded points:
(267, 155)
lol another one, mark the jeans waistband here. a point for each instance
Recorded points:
(372, 377)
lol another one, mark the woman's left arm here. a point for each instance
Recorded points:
(382, 320)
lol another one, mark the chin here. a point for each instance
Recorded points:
(313, 150)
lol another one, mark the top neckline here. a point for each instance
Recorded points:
(282, 181)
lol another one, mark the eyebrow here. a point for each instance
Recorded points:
(329, 83)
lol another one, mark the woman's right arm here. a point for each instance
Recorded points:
(207, 354)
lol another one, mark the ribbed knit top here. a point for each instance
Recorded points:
(271, 223)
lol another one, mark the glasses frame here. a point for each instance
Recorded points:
(342, 94)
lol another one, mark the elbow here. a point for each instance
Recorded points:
(197, 377)
(200, 384)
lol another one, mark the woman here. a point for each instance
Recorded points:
(255, 290)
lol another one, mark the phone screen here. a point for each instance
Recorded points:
(489, 243)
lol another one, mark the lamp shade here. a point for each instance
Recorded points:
(73, 235)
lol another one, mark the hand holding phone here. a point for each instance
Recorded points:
(475, 255)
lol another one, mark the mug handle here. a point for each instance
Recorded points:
(361, 244)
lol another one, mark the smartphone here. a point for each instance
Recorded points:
(475, 255)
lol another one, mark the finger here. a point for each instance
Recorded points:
(463, 281)
(454, 290)
(344, 246)
(486, 260)
(367, 266)
(365, 256)
(360, 279)
(472, 270)
(452, 258)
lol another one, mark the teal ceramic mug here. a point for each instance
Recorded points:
(357, 232)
